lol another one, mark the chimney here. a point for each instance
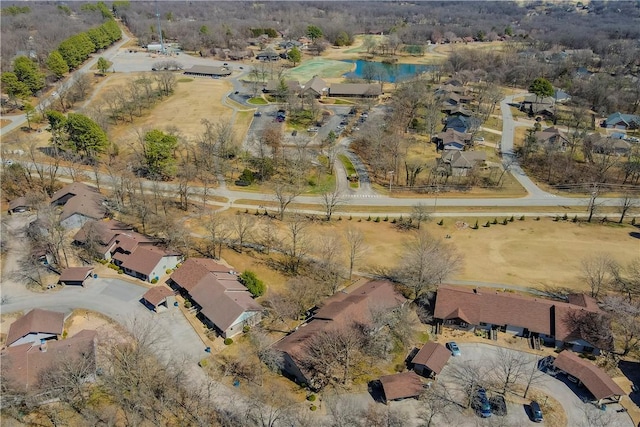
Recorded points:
(43, 346)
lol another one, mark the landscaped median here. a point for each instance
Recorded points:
(352, 175)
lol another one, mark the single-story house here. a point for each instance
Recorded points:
(431, 359)
(356, 90)
(448, 88)
(237, 55)
(147, 262)
(207, 71)
(159, 298)
(553, 137)
(341, 310)
(561, 96)
(75, 276)
(402, 386)
(24, 365)
(36, 326)
(456, 110)
(268, 56)
(80, 203)
(461, 124)
(534, 99)
(21, 204)
(492, 310)
(599, 384)
(223, 303)
(615, 146)
(461, 162)
(453, 99)
(622, 121)
(103, 235)
(451, 139)
(274, 86)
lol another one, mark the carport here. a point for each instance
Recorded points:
(75, 276)
(158, 298)
(401, 386)
(599, 384)
(431, 358)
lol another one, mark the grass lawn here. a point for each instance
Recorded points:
(258, 100)
(351, 170)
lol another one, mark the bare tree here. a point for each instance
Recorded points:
(468, 377)
(298, 244)
(625, 321)
(420, 213)
(532, 373)
(627, 202)
(356, 247)
(328, 267)
(242, 225)
(332, 201)
(426, 262)
(626, 279)
(384, 416)
(285, 193)
(217, 233)
(596, 271)
(435, 404)
(509, 368)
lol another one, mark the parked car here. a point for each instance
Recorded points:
(453, 347)
(242, 68)
(225, 64)
(257, 114)
(480, 138)
(482, 404)
(536, 412)
(312, 130)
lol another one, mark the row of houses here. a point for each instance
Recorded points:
(319, 88)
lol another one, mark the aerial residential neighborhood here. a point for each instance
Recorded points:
(335, 214)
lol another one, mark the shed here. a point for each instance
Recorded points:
(430, 360)
(159, 297)
(401, 386)
(601, 386)
(75, 275)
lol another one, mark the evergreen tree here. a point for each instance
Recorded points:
(159, 156)
(295, 56)
(84, 136)
(103, 65)
(13, 87)
(57, 65)
(27, 72)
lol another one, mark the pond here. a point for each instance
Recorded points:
(385, 72)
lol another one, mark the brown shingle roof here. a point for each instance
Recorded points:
(37, 320)
(144, 259)
(402, 385)
(85, 200)
(75, 274)
(157, 294)
(18, 203)
(594, 378)
(452, 135)
(220, 306)
(23, 365)
(208, 69)
(190, 273)
(432, 355)
(104, 231)
(355, 89)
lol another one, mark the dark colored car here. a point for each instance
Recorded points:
(482, 403)
(536, 412)
(257, 114)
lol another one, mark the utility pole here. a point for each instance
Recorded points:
(592, 201)
(162, 49)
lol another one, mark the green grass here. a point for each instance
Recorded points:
(351, 170)
(325, 68)
(258, 101)
(339, 101)
(185, 80)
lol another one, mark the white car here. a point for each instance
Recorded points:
(312, 130)
(480, 138)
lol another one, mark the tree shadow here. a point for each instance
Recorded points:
(376, 392)
(635, 234)
(631, 370)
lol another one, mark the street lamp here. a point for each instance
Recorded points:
(390, 173)
(435, 203)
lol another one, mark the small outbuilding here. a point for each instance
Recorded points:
(431, 359)
(21, 204)
(75, 276)
(159, 298)
(207, 71)
(599, 384)
(401, 386)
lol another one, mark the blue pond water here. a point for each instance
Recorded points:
(386, 72)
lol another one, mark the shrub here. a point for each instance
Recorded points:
(64, 334)
(633, 221)
(169, 271)
(522, 218)
(120, 271)
(377, 219)
(311, 398)
(369, 219)
(350, 217)
(228, 341)
(253, 284)
(187, 304)
(565, 217)
(488, 224)
(257, 212)
(475, 226)
(537, 218)
(556, 218)
(359, 219)
(393, 221)
(511, 219)
(505, 222)
(246, 328)
(339, 218)
(246, 210)
(386, 218)
(441, 222)
(575, 219)
(495, 221)
(313, 407)
(154, 280)
(203, 363)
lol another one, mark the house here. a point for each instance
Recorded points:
(462, 124)
(21, 204)
(75, 276)
(237, 55)
(341, 310)
(138, 255)
(80, 203)
(490, 310)
(223, 303)
(456, 110)
(451, 139)
(461, 162)
(267, 56)
(159, 298)
(25, 365)
(400, 386)
(534, 99)
(553, 137)
(453, 98)
(36, 326)
(561, 96)
(612, 146)
(207, 71)
(599, 384)
(622, 121)
(316, 86)
(431, 359)
(355, 90)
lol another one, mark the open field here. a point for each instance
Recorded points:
(525, 253)
(323, 67)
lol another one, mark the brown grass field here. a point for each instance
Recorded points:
(525, 253)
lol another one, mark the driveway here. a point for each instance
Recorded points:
(486, 355)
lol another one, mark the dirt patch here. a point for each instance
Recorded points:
(4, 122)
(85, 319)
